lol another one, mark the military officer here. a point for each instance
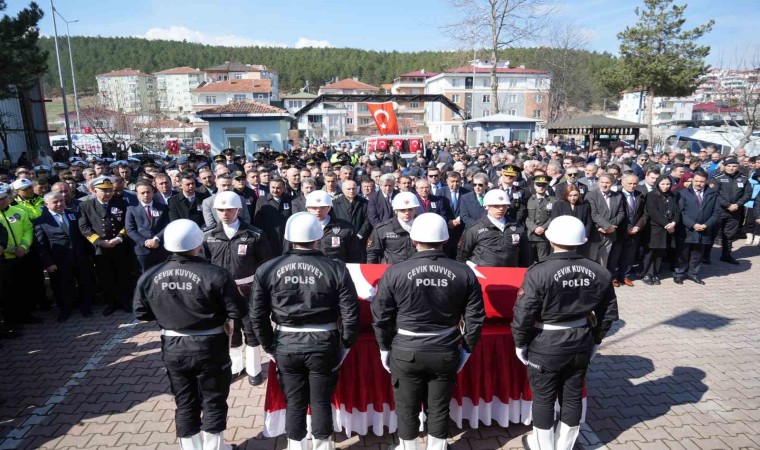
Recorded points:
(240, 248)
(312, 301)
(538, 219)
(515, 193)
(191, 300)
(734, 190)
(564, 309)
(389, 242)
(494, 240)
(416, 312)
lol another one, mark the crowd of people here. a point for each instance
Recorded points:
(94, 226)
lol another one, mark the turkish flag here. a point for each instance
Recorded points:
(414, 145)
(385, 117)
(370, 145)
(398, 143)
(382, 144)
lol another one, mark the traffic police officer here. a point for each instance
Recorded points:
(240, 248)
(734, 190)
(191, 300)
(416, 313)
(312, 300)
(564, 309)
(492, 241)
(389, 242)
(339, 240)
(539, 217)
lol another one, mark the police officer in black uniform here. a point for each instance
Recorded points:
(191, 300)
(416, 312)
(734, 190)
(389, 242)
(494, 240)
(564, 309)
(240, 248)
(312, 300)
(539, 217)
(339, 241)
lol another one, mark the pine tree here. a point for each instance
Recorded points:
(22, 61)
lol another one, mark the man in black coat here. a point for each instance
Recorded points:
(272, 212)
(353, 209)
(64, 255)
(379, 207)
(700, 215)
(189, 203)
(432, 203)
(632, 228)
(453, 192)
(145, 225)
(471, 207)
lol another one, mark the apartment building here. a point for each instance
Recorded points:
(412, 83)
(235, 90)
(239, 71)
(175, 88)
(358, 118)
(521, 92)
(327, 121)
(633, 106)
(127, 90)
(722, 85)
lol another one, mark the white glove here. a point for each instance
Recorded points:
(522, 354)
(385, 359)
(463, 357)
(594, 350)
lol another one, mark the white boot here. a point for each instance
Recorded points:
(566, 436)
(253, 360)
(434, 443)
(756, 241)
(215, 441)
(750, 239)
(191, 443)
(541, 439)
(298, 445)
(410, 444)
(236, 355)
(322, 444)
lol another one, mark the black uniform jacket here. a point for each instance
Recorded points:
(564, 287)
(304, 287)
(180, 209)
(732, 190)
(99, 223)
(338, 242)
(389, 243)
(188, 293)
(428, 293)
(485, 245)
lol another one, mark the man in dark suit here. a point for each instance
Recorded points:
(64, 255)
(164, 189)
(453, 192)
(647, 184)
(188, 204)
(379, 203)
(640, 166)
(430, 203)
(353, 209)
(700, 215)
(608, 214)
(145, 225)
(272, 212)
(102, 223)
(471, 207)
(632, 228)
(571, 177)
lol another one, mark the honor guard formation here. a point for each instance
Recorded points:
(241, 258)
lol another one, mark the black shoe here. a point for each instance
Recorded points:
(32, 319)
(656, 280)
(706, 261)
(678, 280)
(126, 309)
(87, 312)
(525, 442)
(8, 333)
(256, 380)
(729, 259)
(696, 279)
(62, 317)
(648, 280)
(110, 310)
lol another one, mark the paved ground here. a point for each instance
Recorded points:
(682, 370)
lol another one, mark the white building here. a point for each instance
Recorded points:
(521, 92)
(175, 88)
(236, 90)
(238, 71)
(720, 85)
(127, 90)
(325, 121)
(358, 118)
(633, 105)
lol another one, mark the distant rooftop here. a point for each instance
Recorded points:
(350, 84)
(246, 108)
(179, 71)
(124, 73)
(240, 86)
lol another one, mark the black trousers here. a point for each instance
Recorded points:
(308, 380)
(241, 327)
(67, 279)
(151, 259)
(30, 268)
(557, 377)
(539, 251)
(690, 259)
(114, 271)
(628, 248)
(201, 385)
(17, 302)
(653, 262)
(728, 229)
(423, 377)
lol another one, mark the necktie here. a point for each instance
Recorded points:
(62, 222)
(480, 200)
(454, 200)
(699, 197)
(147, 214)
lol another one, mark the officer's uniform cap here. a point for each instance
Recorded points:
(541, 179)
(510, 170)
(102, 183)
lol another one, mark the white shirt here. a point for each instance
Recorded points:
(325, 221)
(501, 224)
(407, 226)
(231, 229)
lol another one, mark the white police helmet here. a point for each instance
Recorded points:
(303, 227)
(566, 230)
(316, 199)
(405, 200)
(429, 228)
(495, 197)
(227, 200)
(182, 235)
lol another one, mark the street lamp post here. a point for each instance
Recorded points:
(71, 64)
(60, 78)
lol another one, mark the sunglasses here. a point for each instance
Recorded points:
(478, 184)
(572, 174)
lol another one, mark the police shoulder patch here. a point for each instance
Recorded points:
(520, 293)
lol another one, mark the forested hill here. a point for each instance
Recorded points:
(96, 55)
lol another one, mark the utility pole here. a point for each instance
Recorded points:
(63, 89)
(71, 64)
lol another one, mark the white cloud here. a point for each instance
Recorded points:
(305, 42)
(175, 33)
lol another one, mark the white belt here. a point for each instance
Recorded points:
(562, 325)
(175, 333)
(243, 281)
(428, 333)
(308, 328)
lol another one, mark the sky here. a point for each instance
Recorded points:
(403, 25)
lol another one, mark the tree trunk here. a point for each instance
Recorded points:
(650, 115)
(494, 86)
(746, 137)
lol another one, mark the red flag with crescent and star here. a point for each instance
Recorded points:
(385, 117)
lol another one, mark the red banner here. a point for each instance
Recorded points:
(370, 145)
(415, 144)
(382, 144)
(398, 143)
(385, 117)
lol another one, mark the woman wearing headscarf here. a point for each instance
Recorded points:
(683, 183)
(664, 217)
